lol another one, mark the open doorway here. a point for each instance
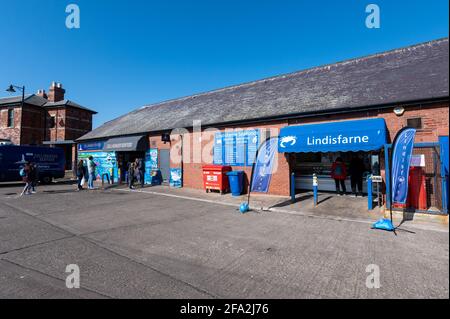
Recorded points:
(124, 159)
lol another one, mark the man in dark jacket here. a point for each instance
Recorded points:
(356, 171)
(34, 177)
(141, 171)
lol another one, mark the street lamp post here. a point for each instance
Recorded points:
(13, 88)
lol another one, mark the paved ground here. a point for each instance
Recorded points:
(142, 245)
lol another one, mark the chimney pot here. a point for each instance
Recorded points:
(56, 92)
(42, 93)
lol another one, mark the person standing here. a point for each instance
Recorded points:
(81, 174)
(356, 171)
(34, 177)
(25, 174)
(339, 174)
(91, 171)
(131, 168)
(141, 172)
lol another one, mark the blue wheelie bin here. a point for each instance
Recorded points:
(236, 179)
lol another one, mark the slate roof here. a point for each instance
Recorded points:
(414, 73)
(67, 103)
(36, 100)
(29, 99)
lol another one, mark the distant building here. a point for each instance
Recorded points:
(45, 119)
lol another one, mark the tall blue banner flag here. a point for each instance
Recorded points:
(401, 158)
(265, 159)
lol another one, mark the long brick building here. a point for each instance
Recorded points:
(382, 92)
(45, 119)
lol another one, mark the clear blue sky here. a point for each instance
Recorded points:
(130, 53)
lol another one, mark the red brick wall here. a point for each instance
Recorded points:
(32, 125)
(6, 132)
(58, 132)
(71, 123)
(77, 123)
(192, 168)
(434, 121)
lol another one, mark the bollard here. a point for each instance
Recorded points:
(293, 188)
(315, 189)
(369, 192)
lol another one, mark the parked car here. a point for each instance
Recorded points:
(49, 161)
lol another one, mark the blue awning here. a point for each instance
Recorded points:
(347, 136)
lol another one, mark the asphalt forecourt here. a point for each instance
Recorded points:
(143, 245)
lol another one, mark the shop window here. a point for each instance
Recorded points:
(52, 122)
(11, 118)
(415, 123)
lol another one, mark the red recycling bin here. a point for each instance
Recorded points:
(417, 191)
(215, 178)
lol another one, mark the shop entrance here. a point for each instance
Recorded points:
(340, 154)
(124, 159)
(360, 164)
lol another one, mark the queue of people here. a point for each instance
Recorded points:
(136, 173)
(339, 173)
(85, 173)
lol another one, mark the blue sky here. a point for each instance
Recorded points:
(131, 53)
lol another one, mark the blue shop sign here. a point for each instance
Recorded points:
(348, 136)
(91, 146)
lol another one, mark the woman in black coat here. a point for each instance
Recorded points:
(81, 173)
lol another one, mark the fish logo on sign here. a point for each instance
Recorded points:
(290, 140)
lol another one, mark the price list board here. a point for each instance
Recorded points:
(218, 149)
(236, 148)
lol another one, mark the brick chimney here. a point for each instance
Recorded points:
(42, 93)
(56, 92)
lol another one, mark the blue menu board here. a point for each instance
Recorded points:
(252, 146)
(229, 148)
(218, 147)
(241, 148)
(236, 148)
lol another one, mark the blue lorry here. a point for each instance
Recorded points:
(50, 162)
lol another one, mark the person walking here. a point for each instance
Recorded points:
(131, 168)
(34, 177)
(356, 171)
(25, 174)
(339, 174)
(81, 174)
(91, 171)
